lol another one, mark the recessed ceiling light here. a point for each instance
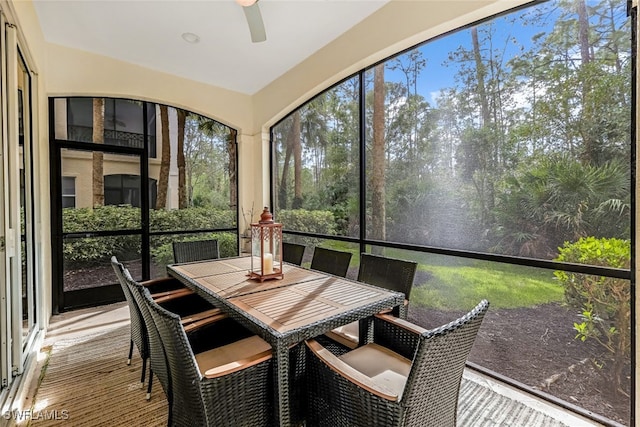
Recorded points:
(190, 37)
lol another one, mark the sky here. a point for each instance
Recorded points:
(436, 76)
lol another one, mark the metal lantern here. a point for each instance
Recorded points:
(266, 248)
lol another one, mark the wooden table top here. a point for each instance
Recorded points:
(195, 270)
(292, 307)
(303, 304)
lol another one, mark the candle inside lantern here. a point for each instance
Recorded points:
(268, 263)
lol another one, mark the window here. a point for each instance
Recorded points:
(317, 157)
(125, 190)
(124, 123)
(68, 192)
(499, 158)
(192, 191)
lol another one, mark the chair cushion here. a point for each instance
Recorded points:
(382, 365)
(347, 334)
(228, 357)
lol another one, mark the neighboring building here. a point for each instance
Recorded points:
(123, 127)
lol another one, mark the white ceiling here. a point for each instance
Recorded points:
(149, 33)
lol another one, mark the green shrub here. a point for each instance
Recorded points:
(321, 222)
(604, 302)
(162, 250)
(91, 250)
(190, 218)
(100, 218)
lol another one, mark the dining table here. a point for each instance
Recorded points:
(284, 312)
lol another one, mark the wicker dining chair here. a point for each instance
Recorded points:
(195, 250)
(408, 376)
(191, 307)
(292, 253)
(389, 273)
(330, 261)
(138, 331)
(157, 356)
(220, 377)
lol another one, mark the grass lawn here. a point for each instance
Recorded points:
(505, 286)
(450, 283)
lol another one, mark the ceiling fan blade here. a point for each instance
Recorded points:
(256, 26)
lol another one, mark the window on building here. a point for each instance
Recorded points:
(124, 123)
(124, 189)
(68, 192)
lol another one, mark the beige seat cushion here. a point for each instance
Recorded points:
(346, 335)
(231, 357)
(382, 365)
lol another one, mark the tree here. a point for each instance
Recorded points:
(98, 156)
(183, 200)
(284, 177)
(378, 207)
(293, 148)
(210, 155)
(297, 162)
(163, 180)
(232, 166)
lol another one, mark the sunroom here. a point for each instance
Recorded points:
(492, 143)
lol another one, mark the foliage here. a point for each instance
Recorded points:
(78, 220)
(88, 250)
(162, 249)
(321, 222)
(560, 199)
(524, 145)
(604, 302)
(191, 219)
(207, 162)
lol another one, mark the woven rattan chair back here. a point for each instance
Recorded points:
(389, 273)
(241, 398)
(292, 253)
(433, 386)
(195, 250)
(430, 393)
(157, 358)
(188, 405)
(138, 331)
(330, 261)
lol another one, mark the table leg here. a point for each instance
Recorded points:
(282, 384)
(403, 311)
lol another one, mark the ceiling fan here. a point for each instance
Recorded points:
(254, 20)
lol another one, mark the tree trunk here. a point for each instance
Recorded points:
(282, 191)
(163, 180)
(297, 162)
(98, 156)
(233, 175)
(378, 210)
(486, 150)
(481, 74)
(589, 154)
(183, 201)
(583, 32)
